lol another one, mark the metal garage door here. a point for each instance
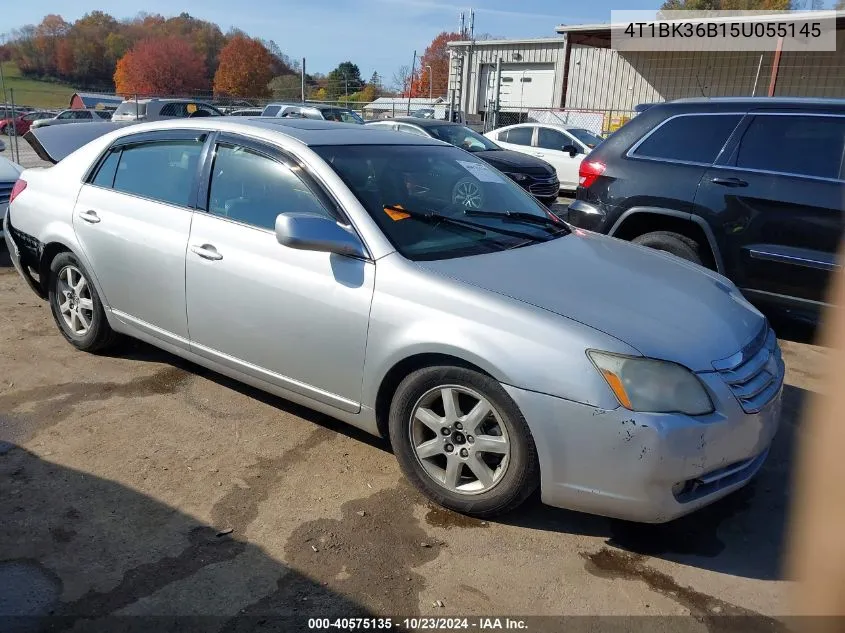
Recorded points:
(523, 86)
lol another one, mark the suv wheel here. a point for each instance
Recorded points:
(675, 243)
(462, 441)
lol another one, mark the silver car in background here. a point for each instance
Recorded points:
(133, 110)
(73, 116)
(328, 264)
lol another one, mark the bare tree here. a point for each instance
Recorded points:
(401, 78)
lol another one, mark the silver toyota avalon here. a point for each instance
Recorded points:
(406, 287)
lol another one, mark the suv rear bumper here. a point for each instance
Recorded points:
(585, 215)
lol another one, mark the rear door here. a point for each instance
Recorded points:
(778, 194)
(549, 146)
(132, 219)
(519, 138)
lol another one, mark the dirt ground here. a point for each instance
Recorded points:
(139, 484)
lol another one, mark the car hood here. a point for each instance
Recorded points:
(9, 171)
(660, 305)
(506, 160)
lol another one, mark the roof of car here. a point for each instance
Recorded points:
(307, 131)
(420, 121)
(807, 103)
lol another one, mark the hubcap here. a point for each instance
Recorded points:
(75, 302)
(467, 194)
(459, 439)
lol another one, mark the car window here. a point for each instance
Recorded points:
(585, 136)
(104, 114)
(425, 179)
(160, 170)
(66, 115)
(254, 189)
(693, 138)
(463, 137)
(83, 115)
(30, 117)
(271, 110)
(806, 145)
(131, 107)
(108, 169)
(520, 135)
(410, 129)
(350, 117)
(548, 138)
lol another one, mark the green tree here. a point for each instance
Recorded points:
(346, 77)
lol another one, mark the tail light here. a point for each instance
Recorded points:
(589, 171)
(20, 185)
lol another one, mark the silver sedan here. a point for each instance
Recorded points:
(333, 265)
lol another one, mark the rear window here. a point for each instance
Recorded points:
(804, 145)
(271, 110)
(519, 135)
(130, 107)
(696, 138)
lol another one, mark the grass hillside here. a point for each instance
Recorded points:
(31, 92)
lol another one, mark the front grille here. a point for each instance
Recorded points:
(755, 374)
(719, 479)
(5, 192)
(544, 188)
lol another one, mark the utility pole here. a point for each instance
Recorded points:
(302, 81)
(411, 80)
(430, 81)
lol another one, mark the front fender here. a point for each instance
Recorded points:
(518, 344)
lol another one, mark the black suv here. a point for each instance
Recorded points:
(750, 187)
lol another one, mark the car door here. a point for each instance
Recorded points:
(549, 146)
(778, 193)
(132, 219)
(294, 318)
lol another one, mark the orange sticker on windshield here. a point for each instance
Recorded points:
(396, 213)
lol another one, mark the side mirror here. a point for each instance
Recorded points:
(309, 232)
(573, 151)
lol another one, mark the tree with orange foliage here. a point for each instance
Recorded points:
(160, 66)
(433, 73)
(245, 68)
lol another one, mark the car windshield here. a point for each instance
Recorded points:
(585, 136)
(463, 137)
(457, 205)
(348, 116)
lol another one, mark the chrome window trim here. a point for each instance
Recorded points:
(630, 153)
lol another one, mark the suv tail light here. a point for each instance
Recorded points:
(20, 185)
(589, 171)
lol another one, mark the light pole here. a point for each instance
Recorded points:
(430, 81)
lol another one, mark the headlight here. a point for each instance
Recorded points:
(517, 177)
(645, 384)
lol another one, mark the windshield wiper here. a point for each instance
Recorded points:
(520, 216)
(433, 217)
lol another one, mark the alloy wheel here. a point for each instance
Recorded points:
(76, 304)
(459, 439)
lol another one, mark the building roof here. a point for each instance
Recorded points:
(92, 99)
(558, 41)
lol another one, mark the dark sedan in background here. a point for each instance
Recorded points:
(536, 176)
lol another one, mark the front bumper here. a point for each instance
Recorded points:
(646, 467)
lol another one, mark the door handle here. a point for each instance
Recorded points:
(90, 216)
(729, 182)
(206, 251)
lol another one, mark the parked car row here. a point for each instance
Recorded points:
(418, 293)
(317, 111)
(21, 123)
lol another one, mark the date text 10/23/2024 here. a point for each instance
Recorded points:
(482, 624)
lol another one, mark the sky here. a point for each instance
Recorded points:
(377, 35)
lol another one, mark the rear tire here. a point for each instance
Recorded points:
(475, 456)
(76, 306)
(674, 243)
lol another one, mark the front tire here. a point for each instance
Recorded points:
(76, 306)
(674, 243)
(462, 441)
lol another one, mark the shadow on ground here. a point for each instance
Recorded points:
(76, 548)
